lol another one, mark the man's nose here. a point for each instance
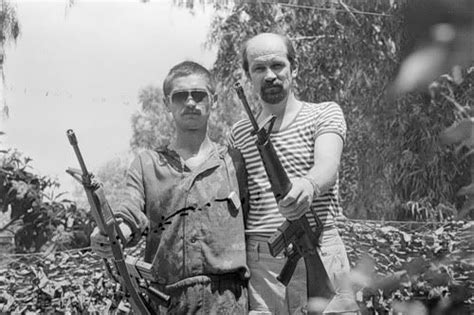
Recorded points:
(270, 75)
(190, 101)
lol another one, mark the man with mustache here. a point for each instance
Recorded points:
(308, 139)
(184, 197)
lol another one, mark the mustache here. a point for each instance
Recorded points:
(272, 85)
(191, 111)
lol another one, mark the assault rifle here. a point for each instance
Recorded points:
(133, 274)
(296, 233)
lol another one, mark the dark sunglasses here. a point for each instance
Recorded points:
(180, 97)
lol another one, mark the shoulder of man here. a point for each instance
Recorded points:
(143, 153)
(243, 123)
(241, 129)
(330, 105)
(145, 156)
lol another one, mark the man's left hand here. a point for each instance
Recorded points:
(298, 200)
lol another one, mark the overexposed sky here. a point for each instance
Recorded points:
(82, 67)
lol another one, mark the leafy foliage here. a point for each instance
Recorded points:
(60, 282)
(152, 125)
(112, 175)
(38, 219)
(460, 134)
(411, 266)
(392, 155)
(394, 265)
(9, 31)
(9, 24)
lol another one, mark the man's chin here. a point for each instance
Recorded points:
(273, 98)
(192, 115)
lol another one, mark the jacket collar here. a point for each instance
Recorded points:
(217, 153)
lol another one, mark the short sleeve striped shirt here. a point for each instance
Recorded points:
(294, 146)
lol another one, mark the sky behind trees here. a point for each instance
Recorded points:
(82, 67)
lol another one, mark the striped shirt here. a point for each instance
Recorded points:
(294, 146)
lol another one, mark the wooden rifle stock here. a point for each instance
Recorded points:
(103, 216)
(298, 232)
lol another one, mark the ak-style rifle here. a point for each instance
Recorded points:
(298, 232)
(133, 274)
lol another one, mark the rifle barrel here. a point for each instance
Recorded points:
(240, 93)
(73, 141)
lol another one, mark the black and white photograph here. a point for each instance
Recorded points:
(237, 157)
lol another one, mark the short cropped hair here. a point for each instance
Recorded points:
(290, 52)
(184, 69)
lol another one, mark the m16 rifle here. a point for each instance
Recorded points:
(298, 232)
(133, 274)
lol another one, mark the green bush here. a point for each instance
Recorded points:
(39, 218)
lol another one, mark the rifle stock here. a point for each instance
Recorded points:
(106, 223)
(297, 232)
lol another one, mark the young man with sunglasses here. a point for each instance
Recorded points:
(184, 197)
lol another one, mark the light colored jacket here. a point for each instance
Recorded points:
(192, 228)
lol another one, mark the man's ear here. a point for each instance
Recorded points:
(166, 102)
(294, 71)
(214, 101)
(247, 73)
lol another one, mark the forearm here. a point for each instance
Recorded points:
(327, 156)
(323, 176)
(318, 180)
(131, 209)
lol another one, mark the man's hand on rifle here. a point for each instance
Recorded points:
(298, 200)
(100, 243)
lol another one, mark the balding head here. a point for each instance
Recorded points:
(269, 42)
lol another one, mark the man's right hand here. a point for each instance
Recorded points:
(100, 243)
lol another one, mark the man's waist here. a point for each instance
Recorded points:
(269, 224)
(259, 241)
(219, 279)
(266, 232)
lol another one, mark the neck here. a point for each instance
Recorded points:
(285, 109)
(189, 143)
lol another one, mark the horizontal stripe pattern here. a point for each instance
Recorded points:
(294, 146)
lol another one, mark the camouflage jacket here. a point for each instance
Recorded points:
(193, 229)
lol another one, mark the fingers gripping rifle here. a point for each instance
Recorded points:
(298, 232)
(133, 274)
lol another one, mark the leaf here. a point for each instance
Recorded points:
(466, 190)
(459, 132)
(419, 69)
(5, 307)
(416, 266)
(70, 222)
(387, 229)
(467, 208)
(439, 231)
(406, 237)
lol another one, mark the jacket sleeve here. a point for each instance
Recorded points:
(132, 207)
